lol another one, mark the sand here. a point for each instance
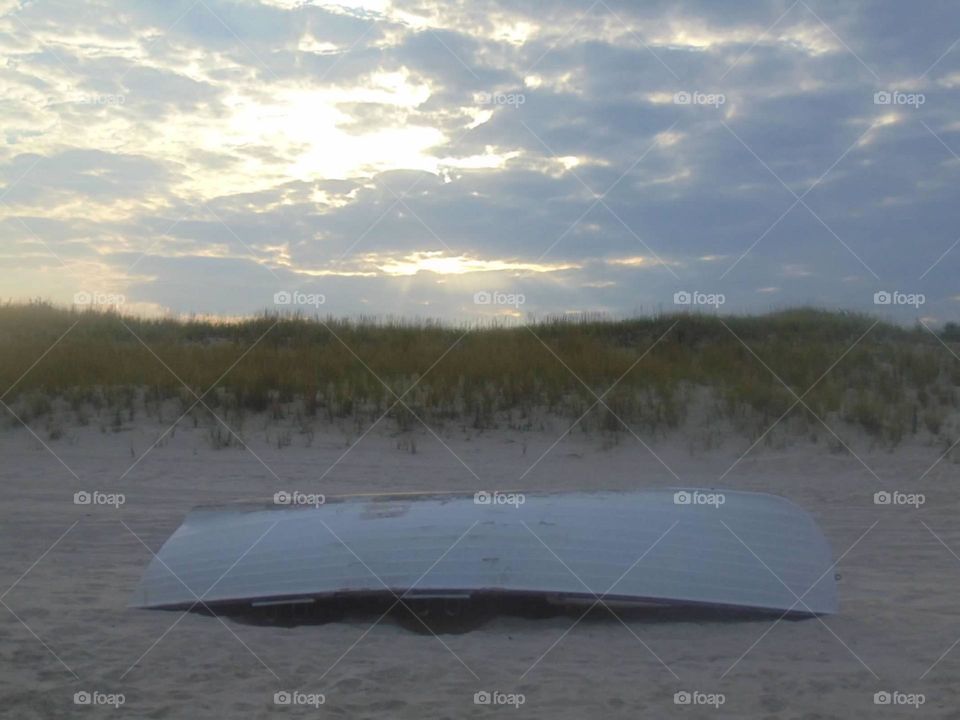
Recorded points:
(899, 585)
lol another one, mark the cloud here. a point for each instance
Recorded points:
(400, 155)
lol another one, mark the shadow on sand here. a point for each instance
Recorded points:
(462, 615)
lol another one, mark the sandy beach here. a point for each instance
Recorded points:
(71, 568)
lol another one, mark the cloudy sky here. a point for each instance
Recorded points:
(468, 158)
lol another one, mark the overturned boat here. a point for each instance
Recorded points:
(693, 547)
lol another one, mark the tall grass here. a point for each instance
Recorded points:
(894, 382)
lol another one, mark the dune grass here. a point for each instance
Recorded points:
(895, 381)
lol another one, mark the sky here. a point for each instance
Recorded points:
(479, 158)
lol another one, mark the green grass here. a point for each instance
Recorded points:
(894, 382)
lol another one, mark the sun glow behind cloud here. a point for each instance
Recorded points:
(435, 262)
(443, 264)
(308, 129)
